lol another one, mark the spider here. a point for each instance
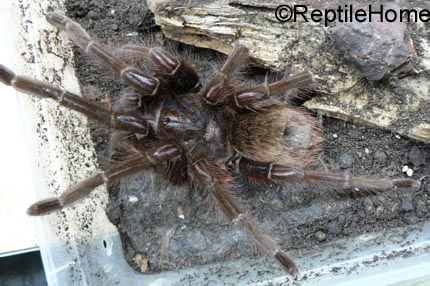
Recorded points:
(210, 136)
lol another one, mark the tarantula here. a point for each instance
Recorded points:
(208, 136)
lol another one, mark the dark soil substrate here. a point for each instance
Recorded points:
(166, 227)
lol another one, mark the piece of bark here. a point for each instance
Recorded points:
(377, 49)
(399, 104)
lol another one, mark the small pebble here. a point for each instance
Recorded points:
(112, 12)
(93, 15)
(366, 150)
(181, 213)
(368, 205)
(335, 136)
(416, 156)
(409, 172)
(379, 210)
(421, 208)
(320, 236)
(114, 27)
(410, 219)
(345, 160)
(406, 204)
(380, 157)
(333, 228)
(132, 199)
(405, 169)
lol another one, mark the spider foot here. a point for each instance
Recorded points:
(44, 207)
(6, 75)
(285, 261)
(406, 184)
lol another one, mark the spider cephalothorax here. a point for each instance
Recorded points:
(208, 136)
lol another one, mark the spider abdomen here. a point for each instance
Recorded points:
(279, 135)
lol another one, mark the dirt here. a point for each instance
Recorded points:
(166, 228)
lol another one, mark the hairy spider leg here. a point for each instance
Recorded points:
(219, 90)
(125, 121)
(229, 204)
(260, 171)
(132, 76)
(152, 157)
(261, 97)
(173, 72)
